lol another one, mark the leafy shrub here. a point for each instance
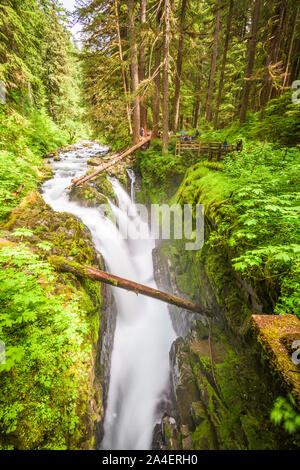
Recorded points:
(43, 328)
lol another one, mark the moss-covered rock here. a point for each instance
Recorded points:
(33, 224)
(87, 196)
(224, 392)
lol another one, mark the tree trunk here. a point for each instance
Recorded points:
(156, 97)
(251, 58)
(286, 81)
(213, 68)
(134, 72)
(166, 77)
(272, 55)
(179, 65)
(123, 68)
(116, 281)
(221, 84)
(142, 68)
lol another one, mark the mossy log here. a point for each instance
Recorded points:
(79, 270)
(105, 166)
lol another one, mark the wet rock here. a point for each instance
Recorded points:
(95, 161)
(87, 196)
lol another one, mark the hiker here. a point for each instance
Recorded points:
(239, 146)
(142, 132)
(225, 145)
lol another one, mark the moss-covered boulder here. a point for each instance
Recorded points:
(87, 196)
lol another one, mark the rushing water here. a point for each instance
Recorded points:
(144, 333)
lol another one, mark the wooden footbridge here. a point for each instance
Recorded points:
(212, 150)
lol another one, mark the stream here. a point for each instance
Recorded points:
(144, 334)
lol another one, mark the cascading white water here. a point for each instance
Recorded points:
(144, 333)
(132, 178)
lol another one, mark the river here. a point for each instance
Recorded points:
(144, 333)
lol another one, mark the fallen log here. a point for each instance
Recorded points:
(86, 271)
(79, 180)
(105, 166)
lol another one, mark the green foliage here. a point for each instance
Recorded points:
(253, 204)
(159, 170)
(285, 413)
(44, 332)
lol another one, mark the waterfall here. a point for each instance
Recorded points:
(144, 333)
(132, 178)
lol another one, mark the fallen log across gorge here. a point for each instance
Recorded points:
(79, 270)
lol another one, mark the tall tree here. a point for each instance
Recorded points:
(142, 64)
(221, 83)
(285, 81)
(156, 95)
(251, 58)
(165, 142)
(213, 66)
(179, 63)
(122, 66)
(134, 72)
(273, 53)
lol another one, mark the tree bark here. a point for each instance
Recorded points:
(156, 97)
(123, 68)
(213, 68)
(142, 68)
(221, 84)
(179, 65)
(251, 58)
(286, 81)
(272, 54)
(82, 271)
(166, 77)
(134, 72)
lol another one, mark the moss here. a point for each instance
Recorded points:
(276, 334)
(87, 196)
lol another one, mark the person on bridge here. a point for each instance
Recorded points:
(239, 146)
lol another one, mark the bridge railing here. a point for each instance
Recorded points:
(213, 150)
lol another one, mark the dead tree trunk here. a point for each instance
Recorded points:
(116, 281)
(105, 166)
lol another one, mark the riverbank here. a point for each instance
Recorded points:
(50, 327)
